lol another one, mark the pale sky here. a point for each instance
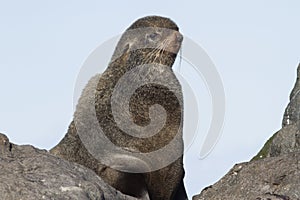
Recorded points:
(254, 46)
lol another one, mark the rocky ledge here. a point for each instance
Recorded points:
(265, 179)
(274, 173)
(30, 173)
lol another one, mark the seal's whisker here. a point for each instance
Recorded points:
(157, 51)
(162, 48)
(151, 54)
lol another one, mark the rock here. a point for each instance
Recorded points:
(292, 111)
(269, 178)
(274, 173)
(29, 173)
(5, 146)
(286, 140)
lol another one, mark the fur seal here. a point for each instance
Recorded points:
(150, 40)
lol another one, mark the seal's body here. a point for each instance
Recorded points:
(152, 42)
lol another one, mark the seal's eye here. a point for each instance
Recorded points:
(153, 36)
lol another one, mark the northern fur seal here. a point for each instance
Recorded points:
(152, 42)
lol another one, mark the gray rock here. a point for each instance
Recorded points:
(292, 111)
(286, 140)
(29, 173)
(267, 179)
(274, 173)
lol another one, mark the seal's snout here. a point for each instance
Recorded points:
(179, 37)
(175, 39)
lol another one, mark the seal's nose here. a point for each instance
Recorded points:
(179, 37)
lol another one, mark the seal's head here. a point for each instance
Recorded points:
(151, 39)
(154, 21)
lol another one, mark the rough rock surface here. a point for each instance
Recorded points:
(292, 111)
(274, 173)
(273, 178)
(286, 140)
(28, 173)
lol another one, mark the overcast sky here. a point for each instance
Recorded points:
(254, 46)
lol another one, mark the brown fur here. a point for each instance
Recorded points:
(162, 184)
